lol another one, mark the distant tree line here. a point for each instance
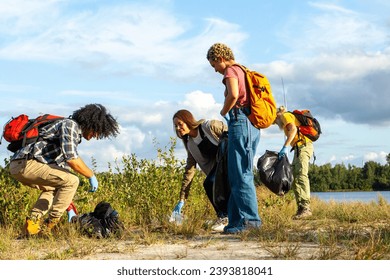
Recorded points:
(372, 176)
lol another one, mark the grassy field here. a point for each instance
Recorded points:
(145, 192)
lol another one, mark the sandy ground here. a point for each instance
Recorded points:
(218, 247)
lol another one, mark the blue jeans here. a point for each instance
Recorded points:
(242, 144)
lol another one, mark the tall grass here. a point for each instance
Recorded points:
(144, 192)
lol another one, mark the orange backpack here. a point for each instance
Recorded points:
(262, 103)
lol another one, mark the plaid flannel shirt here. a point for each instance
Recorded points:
(57, 144)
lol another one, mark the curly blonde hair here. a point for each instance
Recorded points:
(281, 109)
(219, 50)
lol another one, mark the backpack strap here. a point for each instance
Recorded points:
(201, 131)
(39, 123)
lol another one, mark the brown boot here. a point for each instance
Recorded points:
(48, 225)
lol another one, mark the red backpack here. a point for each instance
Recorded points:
(310, 127)
(21, 131)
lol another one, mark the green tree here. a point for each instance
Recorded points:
(339, 177)
(354, 179)
(320, 177)
(369, 175)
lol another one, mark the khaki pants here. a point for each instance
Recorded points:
(300, 167)
(57, 184)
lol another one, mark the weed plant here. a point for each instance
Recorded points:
(144, 193)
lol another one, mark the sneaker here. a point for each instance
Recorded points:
(302, 213)
(32, 226)
(233, 230)
(220, 224)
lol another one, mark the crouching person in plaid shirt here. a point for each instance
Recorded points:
(47, 164)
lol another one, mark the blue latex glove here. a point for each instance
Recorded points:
(71, 214)
(94, 184)
(282, 152)
(179, 206)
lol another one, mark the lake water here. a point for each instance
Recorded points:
(352, 196)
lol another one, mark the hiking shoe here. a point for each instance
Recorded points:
(48, 225)
(302, 213)
(220, 224)
(32, 227)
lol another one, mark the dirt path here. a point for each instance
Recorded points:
(218, 247)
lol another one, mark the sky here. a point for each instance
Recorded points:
(144, 60)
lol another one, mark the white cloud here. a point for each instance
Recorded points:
(338, 65)
(139, 130)
(19, 17)
(117, 39)
(152, 118)
(331, 67)
(335, 30)
(130, 140)
(376, 156)
(348, 158)
(331, 7)
(333, 158)
(200, 102)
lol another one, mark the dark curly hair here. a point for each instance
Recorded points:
(95, 117)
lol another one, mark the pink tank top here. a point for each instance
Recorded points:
(237, 73)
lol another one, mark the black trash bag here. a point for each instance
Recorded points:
(89, 225)
(275, 174)
(109, 219)
(103, 222)
(221, 186)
